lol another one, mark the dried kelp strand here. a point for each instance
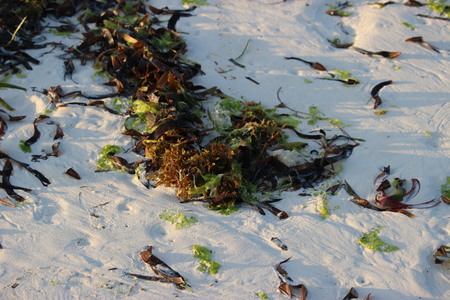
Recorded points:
(6, 174)
(315, 65)
(279, 244)
(382, 4)
(376, 89)
(37, 134)
(385, 54)
(36, 173)
(2, 185)
(236, 63)
(419, 40)
(433, 17)
(282, 271)
(252, 80)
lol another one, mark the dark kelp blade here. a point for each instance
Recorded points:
(376, 89)
(161, 268)
(315, 65)
(6, 174)
(36, 173)
(59, 134)
(352, 294)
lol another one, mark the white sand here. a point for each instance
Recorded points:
(54, 249)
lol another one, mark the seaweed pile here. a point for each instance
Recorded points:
(224, 166)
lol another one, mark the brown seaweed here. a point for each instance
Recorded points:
(6, 174)
(162, 269)
(419, 40)
(282, 272)
(375, 90)
(352, 294)
(385, 54)
(315, 65)
(72, 173)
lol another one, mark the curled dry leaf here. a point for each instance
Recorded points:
(442, 255)
(299, 291)
(161, 268)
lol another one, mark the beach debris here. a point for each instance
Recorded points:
(372, 241)
(180, 220)
(336, 43)
(234, 60)
(252, 80)
(366, 204)
(160, 268)
(375, 90)
(4, 125)
(339, 9)
(442, 255)
(445, 191)
(71, 172)
(315, 65)
(433, 17)
(298, 291)
(382, 4)
(59, 134)
(36, 173)
(7, 202)
(279, 243)
(6, 185)
(419, 40)
(391, 194)
(385, 54)
(263, 295)
(109, 161)
(37, 134)
(204, 255)
(352, 294)
(413, 3)
(282, 272)
(341, 76)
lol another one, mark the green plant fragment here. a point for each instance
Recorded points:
(262, 295)
(445, 188)
(380, 112)
(407, 25)
(305, 80)
(195, 2)
(24, 148)
(60, 33)
(178, 219)
(439, 6)
(372, 241)
(105, 162)
(6, 105)
(396, 67)
(427, 133)
(204, 255)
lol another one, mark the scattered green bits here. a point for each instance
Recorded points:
(380, 112)
(445, 189)
(178, 219)
(25, 148)
(262, 295)
(105, 162)
(305, 80)
(406, 24)
(204, 255)
(372, 241)
(195, 2)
